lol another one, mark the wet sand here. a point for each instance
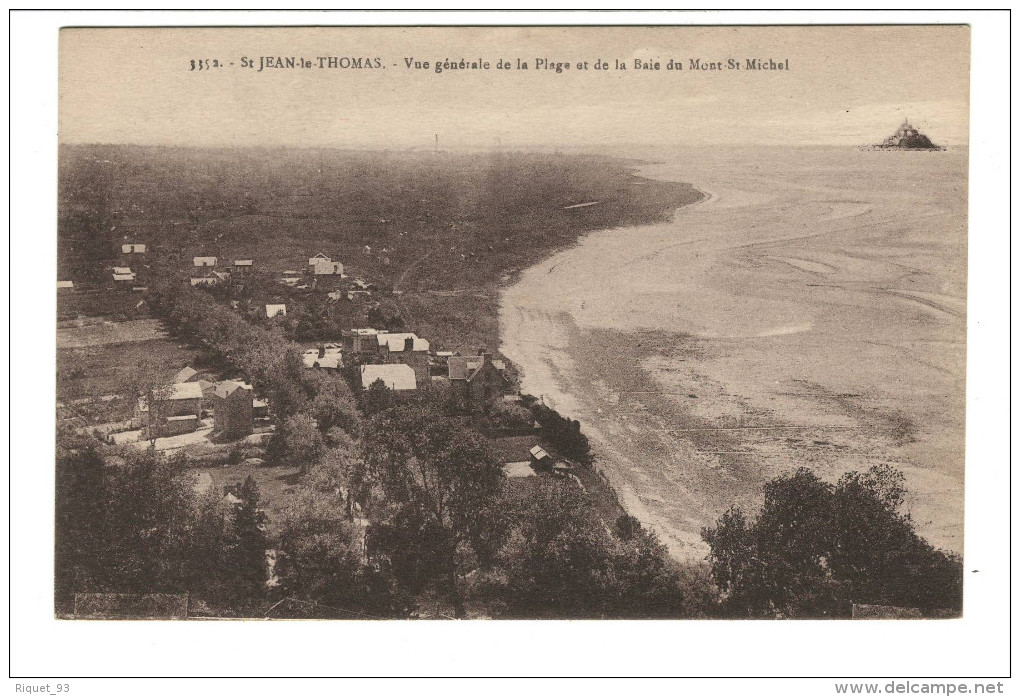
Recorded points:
(810, 312)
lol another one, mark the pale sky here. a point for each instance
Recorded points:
(846, 85)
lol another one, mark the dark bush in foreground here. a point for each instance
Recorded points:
(816, 549)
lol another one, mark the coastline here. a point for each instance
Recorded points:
(657, 337)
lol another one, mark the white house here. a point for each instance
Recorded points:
(204, 261)
(276, 311)
(322, 265)
(132, 249)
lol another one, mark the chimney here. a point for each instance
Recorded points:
(409, 344)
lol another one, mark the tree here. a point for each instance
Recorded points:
(442, 492)
(298, 442)
(320, 559)
(333, 405)
(378, 397)
(130, 528)
(248, 544)
(816, 548)
(562, 561)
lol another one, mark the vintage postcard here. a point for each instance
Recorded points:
(512, 322)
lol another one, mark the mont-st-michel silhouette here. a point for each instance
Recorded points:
(907, 137)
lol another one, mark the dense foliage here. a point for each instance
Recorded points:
(817, 548)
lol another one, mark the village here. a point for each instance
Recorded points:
(214, 416)
(289, 401)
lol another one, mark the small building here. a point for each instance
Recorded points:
(361, 341)
(174, 410)
(328, 359)
(477, 380)
(276, 311)
(132, 248)
(540, 459)
(123, 276)
(409, 350)
(65, 285)
(208, 390)
(321, 265)
(233, 410)
(243, 266)
(204, 262)
(396, 376)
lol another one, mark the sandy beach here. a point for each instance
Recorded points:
(811, 311)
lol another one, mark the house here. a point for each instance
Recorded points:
(174, 410)
(243, 266)
(409, 350)
(321, 265)
(186, 374)
(123, 276)
(361, 341)
(65, 285)
(276, 311)
(477, 380)
(289, 281)
(540, 459)
(208, 390)
(233, 409)
(200, 262)
(328, 359)
(396, 376)
(132, 249)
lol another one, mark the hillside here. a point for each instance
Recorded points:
(442, 228)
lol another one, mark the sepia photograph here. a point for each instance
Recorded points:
(353, 354)
(547, 323)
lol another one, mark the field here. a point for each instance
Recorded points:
(102, 365)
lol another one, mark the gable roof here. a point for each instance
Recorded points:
(464, 367)
(228, 387)
(184, 390)
(396, 376)
(123, 277)
(243, 262)
(186, 374)
(332, 359)
(538, 452)
(395, 343)
(65, 284)
(204, 261)
(122, 269)
(274, 310)
(318, 257)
